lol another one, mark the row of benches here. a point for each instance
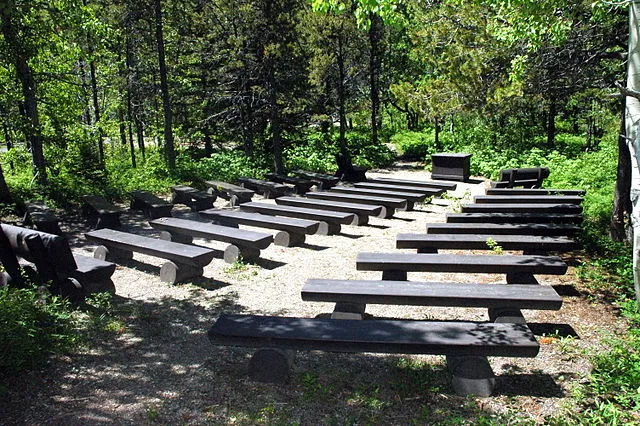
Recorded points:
(465, 344)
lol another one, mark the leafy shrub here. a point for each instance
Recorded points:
(34, 325)
(415, 145)
(224, 165)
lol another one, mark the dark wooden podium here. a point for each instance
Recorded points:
(450, 166)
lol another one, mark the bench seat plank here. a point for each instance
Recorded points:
(447, 186)
(378, 336)
(300, 212)
(304, 226)
(180, 253)
(301, 185)
(105, 214)
(526, 243)
(522, 208)
(527, 199)
(535, 191)
(234, 193)
(513, 218)
(323, 180)
(461, 263)
(226, 234)
(266, 188)
(472, 295)
(409, 196)
(429, 192)
(548, 229)
(391, 204)
(152, 205)
(359, 209)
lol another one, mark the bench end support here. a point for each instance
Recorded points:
(271, 365)
(471, 375)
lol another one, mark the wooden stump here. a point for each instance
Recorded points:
(271, 365)
(172, 273)
(471, 375)
(288, 239)
(112, 254)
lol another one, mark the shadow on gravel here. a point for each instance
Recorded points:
(559, 330)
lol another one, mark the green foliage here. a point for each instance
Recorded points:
(225, 165)
(414, 145)
(33, 325)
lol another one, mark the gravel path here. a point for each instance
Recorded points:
(158, 367)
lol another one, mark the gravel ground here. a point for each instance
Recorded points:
(158, 367)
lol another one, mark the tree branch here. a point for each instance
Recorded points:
(628, 92)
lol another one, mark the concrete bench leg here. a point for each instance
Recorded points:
(521, 278)
(506, 315)
(172, 273)
(383, 213)
(471, 375)
(271, 365)
(410, 205)
(345, 310)
(234, 253)
(110, 221)
(323, 229)
(334, 228)
(176, 238)
(288, 239)
(388, 212)
(112, 254)
(394, 275)
(360, 220)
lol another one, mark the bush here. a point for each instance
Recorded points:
(414, 145)
(33, 325)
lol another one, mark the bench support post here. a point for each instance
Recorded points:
(346, 310)
(506, 315)
(235, 253)
(471, 375)
(112, 254)
(271, 365)
(394, 275)
(288, 239)
(521, 278)
(175, 237)
(172, 272)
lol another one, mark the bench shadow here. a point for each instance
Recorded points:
(566, 290)
(351, 236)
(541, 385)
(548, 328)
(206, 283)
(140, 266)
(378, 226)
(314, 247)
(268, 264)
(403, 219)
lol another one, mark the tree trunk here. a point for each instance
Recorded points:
(341, 96)
(621, 202)
(5, 194)
(551, 123)
(632, 120)
(374, 75)
(21, 58)
(169, 150)
(436, 131)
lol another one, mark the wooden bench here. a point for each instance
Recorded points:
(323, 181)
(465, 344)
(41, 217)
(333, 219)
(72, 272)
(410, 197)
(362, 211)
(101, 213)
(503, 301)
(527, 177)
(519, 269)
(234, 193)
(243, 244)
(548, 229)
(427, 192)
(522, 208)
(151, 205)
(527, 199)
(390, 204)
(196, 200)
(528, 244)
(347, 171)
(291, 231)
(302, 186)
(535, 191)
(513, 218)
(447, 186)
(183, 260)
(264, 187)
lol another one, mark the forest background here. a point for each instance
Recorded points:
(106, 97)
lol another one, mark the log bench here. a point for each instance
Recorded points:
(243, 244)
(528, 244)
(526, 177)
(41, 217)
(390, 204)
(428, 192)
(266, 188)
(465, 344)
(291, 231)
(362, 211)
(234, 193)
(196, 200)
(527, 199)
(519, 269)
(333, 219)
(151, 205)
(447, 186)
(100, 212)
(301, 185)
(535, 191)
(503, 301)
(548, 229)
(410, 197)
(322, 180)
(513, 218)
(80, 274)
(522, 208)
(183, 261)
